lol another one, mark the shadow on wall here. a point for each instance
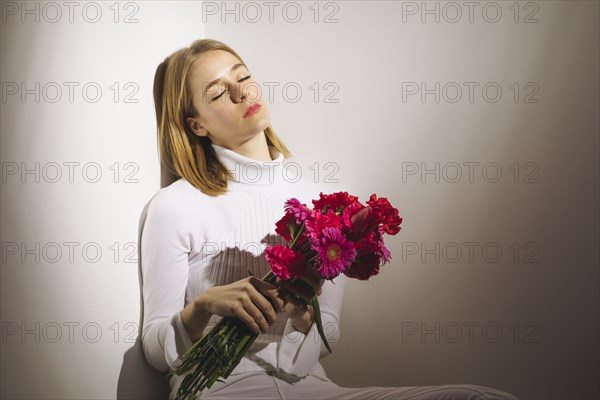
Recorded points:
(138, 379)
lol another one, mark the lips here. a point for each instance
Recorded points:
(253, 109)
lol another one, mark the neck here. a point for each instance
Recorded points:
(255, 148)
(251, 171)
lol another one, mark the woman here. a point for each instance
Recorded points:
(210, 225)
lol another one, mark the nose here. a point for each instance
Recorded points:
(238, 93)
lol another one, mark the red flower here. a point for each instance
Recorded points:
(349, 212)
(364, 267)
(336, 201)
(363, 222)
(386, 213)
(367, 244)
(318, 221)
(283, 226)
(285, 262)
(340, 234)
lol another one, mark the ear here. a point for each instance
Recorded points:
(196, 127)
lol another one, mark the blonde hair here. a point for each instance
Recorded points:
(183, 153)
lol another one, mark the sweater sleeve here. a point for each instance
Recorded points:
(298, 353)
(165, 246)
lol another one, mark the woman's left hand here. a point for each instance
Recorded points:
(297, 298)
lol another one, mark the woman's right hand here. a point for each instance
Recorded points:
(252, 300)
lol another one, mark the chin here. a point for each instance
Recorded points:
(262, 124)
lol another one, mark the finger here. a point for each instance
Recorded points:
(251, 301)
(264, 307)
(242, 314)
(305, 291)
(257, 315)
(276, 300)
(265, 298)
(296, 312)
(272, 295)
(300, 289)
(315, 283)
(292, 298)
(270, 292)
(313, 279)
(281, 296)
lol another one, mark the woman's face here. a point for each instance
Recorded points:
(220, 107)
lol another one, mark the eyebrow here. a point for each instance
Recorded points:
(212, 83)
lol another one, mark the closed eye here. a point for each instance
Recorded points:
(241, 80)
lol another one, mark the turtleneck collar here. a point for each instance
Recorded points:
(249, 171)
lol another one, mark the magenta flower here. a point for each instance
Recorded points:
(335, 252)
(384, 253)
(300, 211)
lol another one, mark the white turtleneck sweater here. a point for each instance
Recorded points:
(191, 241)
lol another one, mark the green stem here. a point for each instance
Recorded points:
(297, 236)
(319, 322)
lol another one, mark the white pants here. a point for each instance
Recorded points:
(265, 385)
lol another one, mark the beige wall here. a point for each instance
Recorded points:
(381, 137)
(525, 323)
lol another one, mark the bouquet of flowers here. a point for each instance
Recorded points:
(338, 235)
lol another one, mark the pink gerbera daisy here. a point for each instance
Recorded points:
(335, 252)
